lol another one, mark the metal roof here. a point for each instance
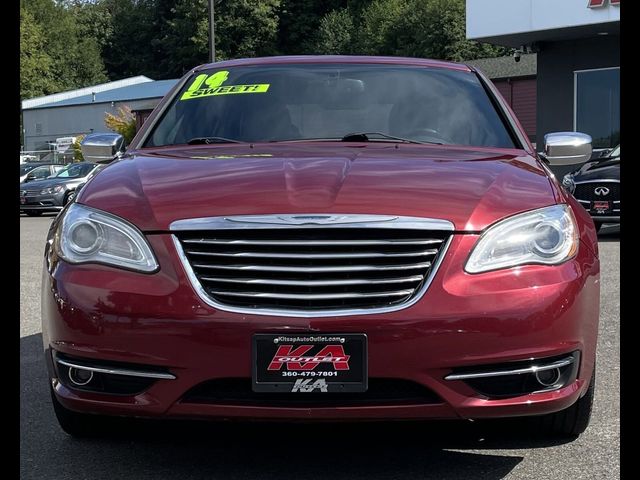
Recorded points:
(140, 91)
(507, 67)
(102, 87)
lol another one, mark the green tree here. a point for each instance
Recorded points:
(246, 28)
(129, 48)
(299, 21)
(75, 59)
(376, 22)
(415, 28)
(187, 36)
(35, 62)
(124, 123)
(334, 33)
(436, 29)
(77, 149)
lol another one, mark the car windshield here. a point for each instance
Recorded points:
(24, 169)
(43, 171)
(270, 103)
(76, 170)
(615, 152)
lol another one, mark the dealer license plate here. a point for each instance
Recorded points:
(310, 363)
(601, 206)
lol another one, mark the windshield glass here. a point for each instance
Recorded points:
(41, 172)
(615, 152)
(296, 102)
(76, 170)
(24, 169)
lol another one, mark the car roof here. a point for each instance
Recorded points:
(349, 59)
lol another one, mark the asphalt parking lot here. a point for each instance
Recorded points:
(348, 451)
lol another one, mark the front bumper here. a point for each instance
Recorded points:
(606, 218)
(45, 203)
(97, 312)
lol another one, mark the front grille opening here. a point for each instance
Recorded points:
(587, 191)
(312, 268)
(381, 391)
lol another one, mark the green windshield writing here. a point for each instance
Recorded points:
(209, 85)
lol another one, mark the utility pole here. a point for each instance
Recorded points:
(212, 29)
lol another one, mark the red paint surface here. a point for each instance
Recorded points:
(94, 311)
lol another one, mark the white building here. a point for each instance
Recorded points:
(82, 111)
(578, 58)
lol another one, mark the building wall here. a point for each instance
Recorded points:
(44, 125)
(520, 94)
(556, 63)
(499, 18)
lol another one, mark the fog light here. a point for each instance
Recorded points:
(80, 377)
(548, 378)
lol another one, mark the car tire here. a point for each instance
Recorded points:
(69, 197)
(33, 213)
(80, 425)
(571, 421)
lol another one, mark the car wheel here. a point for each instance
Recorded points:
(571, 421)
(77, 424)
(69, 197)
(33, 213)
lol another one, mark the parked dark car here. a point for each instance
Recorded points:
(42, 172)
(325, 238)
(596, 185)
(52, 194)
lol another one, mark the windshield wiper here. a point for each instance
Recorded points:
(364, 137)
(210, 140)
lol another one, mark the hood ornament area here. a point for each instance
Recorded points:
(310, 220)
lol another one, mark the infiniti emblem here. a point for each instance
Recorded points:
(601, 191)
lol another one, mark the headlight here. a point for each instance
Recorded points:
(50, 190)
(569, 183)
(546, 236)
(86, 235)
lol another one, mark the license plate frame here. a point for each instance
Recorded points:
(327, 363)
(601, 206)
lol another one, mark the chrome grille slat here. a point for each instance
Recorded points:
(315, 296)
(314, 243)
(314, 283)
(347, 268)
(420, 253)
(360, 265)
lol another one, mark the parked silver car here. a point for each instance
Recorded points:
(52, 194)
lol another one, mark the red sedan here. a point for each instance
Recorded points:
(326, 238)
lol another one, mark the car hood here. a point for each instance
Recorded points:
(50, 182)
(470, 187)
(608, 169)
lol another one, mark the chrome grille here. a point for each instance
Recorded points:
(312, 270)
(586, 191)
(585, 194)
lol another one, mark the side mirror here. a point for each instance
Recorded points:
(29, 178)
(567, 148)
(102, 147)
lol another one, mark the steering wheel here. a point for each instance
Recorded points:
(431, 135)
